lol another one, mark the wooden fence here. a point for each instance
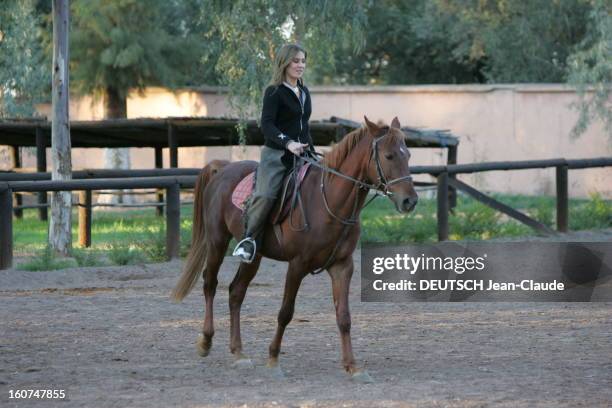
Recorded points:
(171, 185)
(172, 133)
(445, 180)
(89, 174)
(172, 180)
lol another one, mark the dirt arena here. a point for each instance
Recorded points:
(110, 337)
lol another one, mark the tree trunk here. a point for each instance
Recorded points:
(115, 107)
(60, 238)
(5, 157)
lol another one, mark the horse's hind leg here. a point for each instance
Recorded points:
(214, 259)
(295, 274)
(237, 291)
(341, 272)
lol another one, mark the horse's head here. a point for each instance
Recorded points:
(388, 164)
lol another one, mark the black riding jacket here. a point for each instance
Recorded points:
(285, 118)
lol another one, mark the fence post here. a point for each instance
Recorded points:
(562, 198)
(6, 227)
(443, 206)
(159, 163)
(173, 145)
(452, 159)
(17, 164)
(173, 221)
(41, 167)
(85, 218)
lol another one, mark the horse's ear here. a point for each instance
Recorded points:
(395, 123)
(372, 127)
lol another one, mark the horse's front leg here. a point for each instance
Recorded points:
(214, 260)
(237, 291)
(341, 272)
(295, 274)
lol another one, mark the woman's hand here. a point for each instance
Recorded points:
(296, 148)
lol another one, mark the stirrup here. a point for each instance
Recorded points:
(245, 255)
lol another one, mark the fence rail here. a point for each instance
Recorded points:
(514, 165)
(172, 185)
(446, 181)
(172, 180)
(89, 174)
(101, 173)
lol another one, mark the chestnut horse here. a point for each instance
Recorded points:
(369, 157)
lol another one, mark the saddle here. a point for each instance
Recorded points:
(284, 204)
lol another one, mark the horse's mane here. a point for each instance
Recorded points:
(343, 148)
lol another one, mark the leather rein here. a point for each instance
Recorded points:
(382, 189)
(382, 183)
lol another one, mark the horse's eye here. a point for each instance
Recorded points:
(389, 156)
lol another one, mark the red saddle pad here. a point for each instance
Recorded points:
(244, 189)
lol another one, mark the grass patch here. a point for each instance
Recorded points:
(86, 257)
(153, 246)
(137, 236)
(475, 221)
(382, 223)
(120, 254)
(595, 213)
(46, 260)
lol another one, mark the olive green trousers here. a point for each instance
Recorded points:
(270, 174)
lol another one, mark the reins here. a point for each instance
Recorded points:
(382, 185)
(382, 188)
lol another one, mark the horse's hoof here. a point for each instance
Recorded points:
(201, 347)
(362, 377)
(243, 364)
(276, 372)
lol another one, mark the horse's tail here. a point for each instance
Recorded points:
(196, 259)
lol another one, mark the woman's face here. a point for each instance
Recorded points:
(296, 67)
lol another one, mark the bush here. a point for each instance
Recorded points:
(46, 261)
(125, 255)
(85, 257)
(186, 226)
(474, 220)
(154, 245)
(594, 213)
(543, 212)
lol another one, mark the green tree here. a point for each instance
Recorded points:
(465, 41)
(190, 19)
(123, 45)
(406, 42)
(120, 45)
(514, 41)
(248, 33)
(24, 67)
(590, 70)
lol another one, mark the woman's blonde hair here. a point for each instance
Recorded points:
(284, 56)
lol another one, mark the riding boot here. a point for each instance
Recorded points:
(257, 216)
(268, 183)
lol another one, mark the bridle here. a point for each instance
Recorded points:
(382, 183)
(382, 188)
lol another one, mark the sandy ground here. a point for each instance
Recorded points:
(111, 337)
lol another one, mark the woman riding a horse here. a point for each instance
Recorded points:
(370, 158)
(284, 123)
